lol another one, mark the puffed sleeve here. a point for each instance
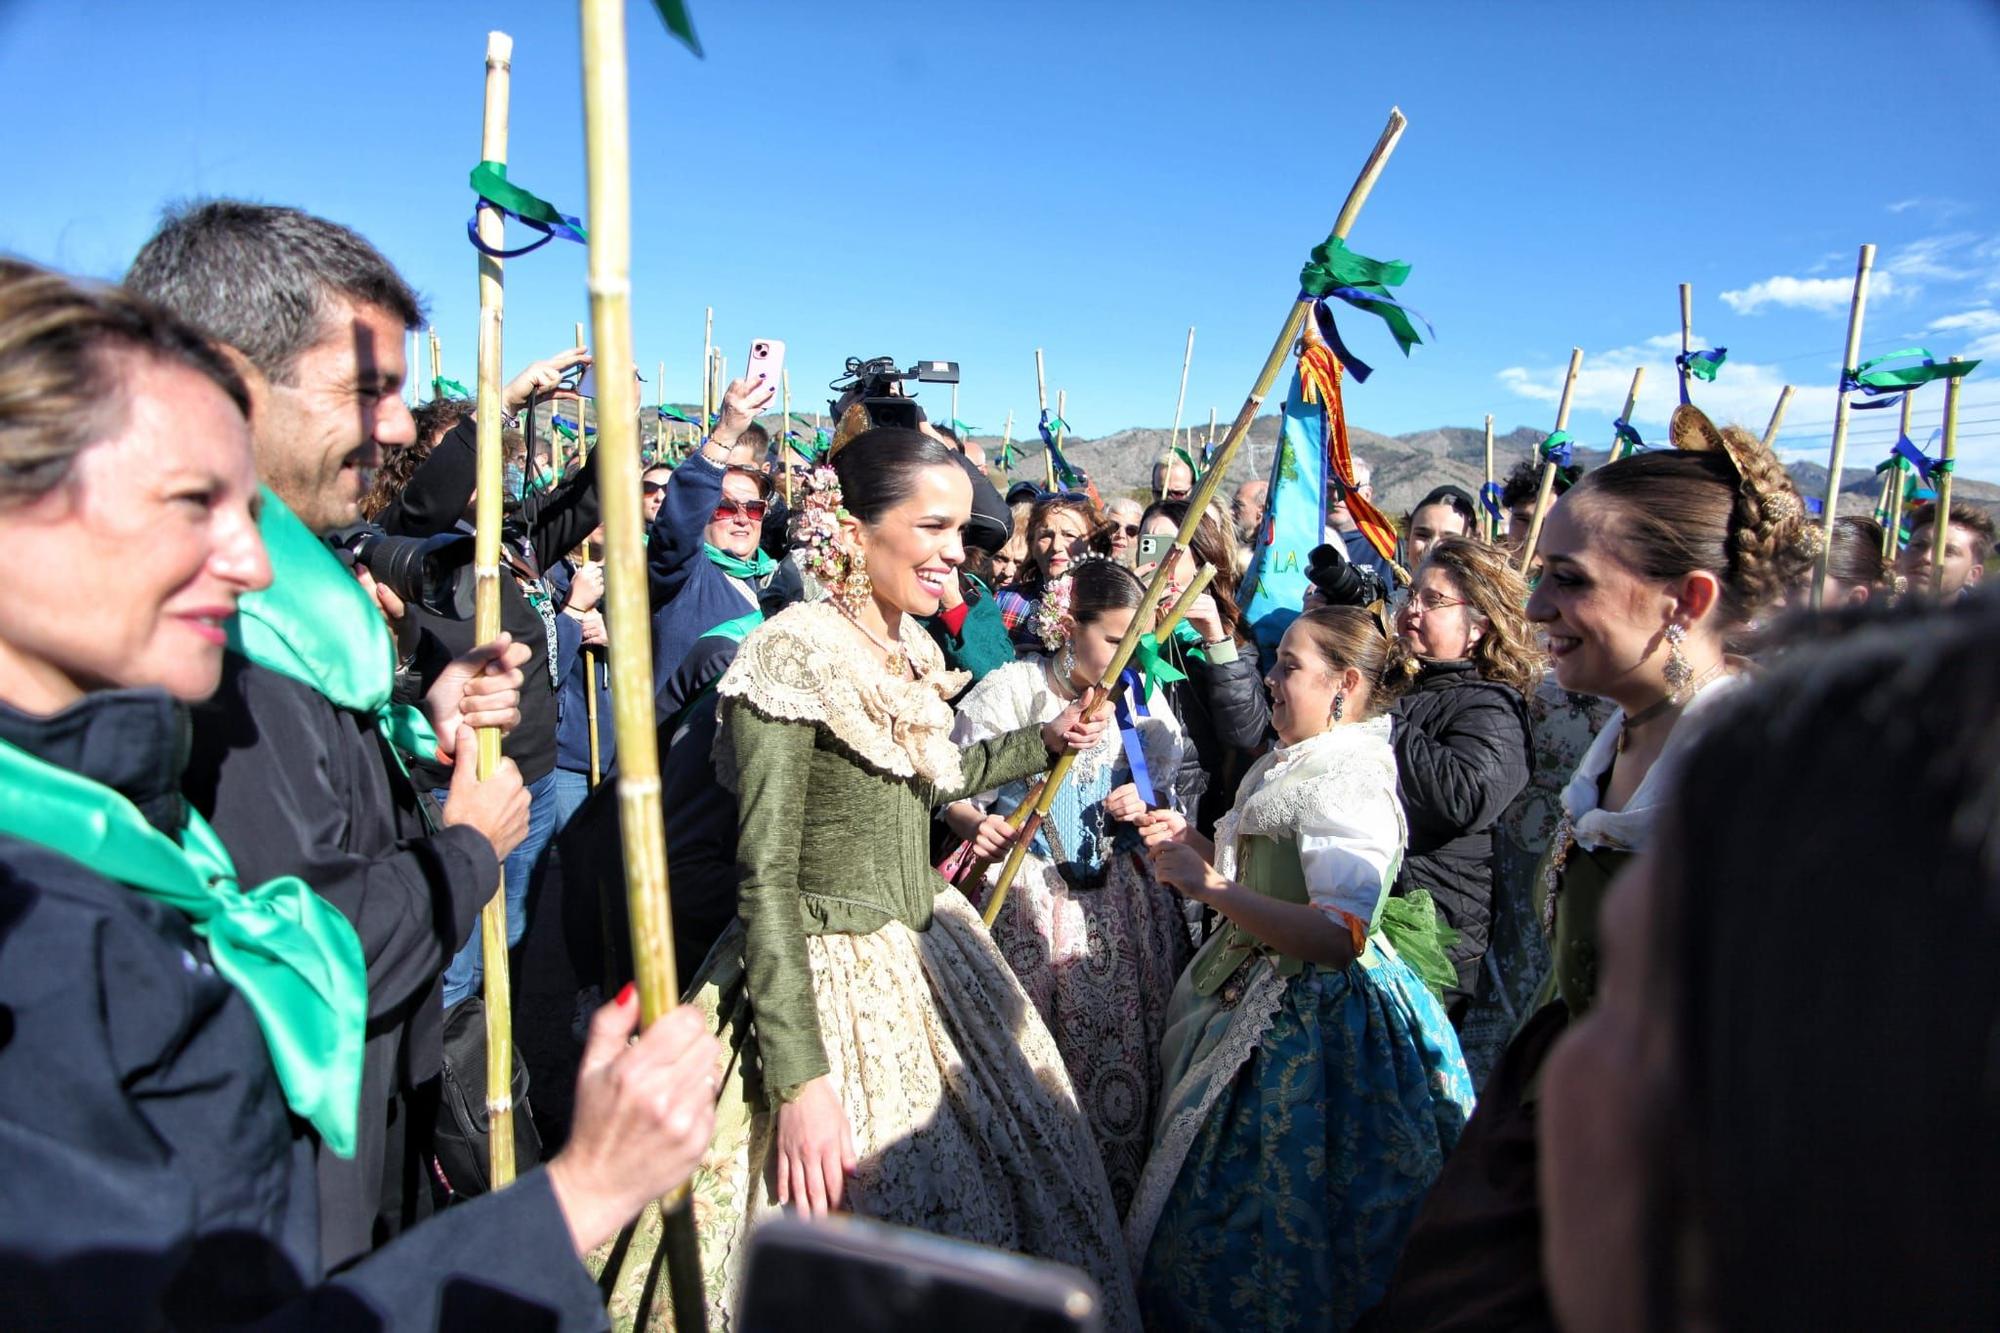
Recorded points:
(1349, 849)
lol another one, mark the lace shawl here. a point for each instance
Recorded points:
(1019, 693)
(808, 664)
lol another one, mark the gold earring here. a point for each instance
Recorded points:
(1678, 673)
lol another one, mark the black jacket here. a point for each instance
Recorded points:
(296, 786)
(1225, 712)
(1462, 755)
(548, 527)
(150, 1173)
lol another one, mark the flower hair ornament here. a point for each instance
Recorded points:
(1053, 622)
(843, 573)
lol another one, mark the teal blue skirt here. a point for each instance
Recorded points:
(1302, 1158)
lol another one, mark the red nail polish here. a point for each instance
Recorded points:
(625, 995)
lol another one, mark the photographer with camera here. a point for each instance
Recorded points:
(294, 760)
(541, 528)
(1343, 531)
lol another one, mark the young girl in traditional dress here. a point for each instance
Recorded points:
(1094, 939)
(1314, 1084)
(886, 1059)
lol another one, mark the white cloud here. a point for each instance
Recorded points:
(1744, 391)
(1983, 320)
(1825, 295)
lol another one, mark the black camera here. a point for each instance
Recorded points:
(1342, 582)
(432, 572)
(877, 385)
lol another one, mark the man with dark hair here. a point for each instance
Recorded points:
(1968, 541)
(1518, 493)
(1446, 512)
(297, 760)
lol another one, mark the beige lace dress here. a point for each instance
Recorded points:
(852, 959)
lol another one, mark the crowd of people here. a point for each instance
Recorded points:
(1602, 945)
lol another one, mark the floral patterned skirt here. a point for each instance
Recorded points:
(962, 1114)
(1100, 966)
(1304, 1122)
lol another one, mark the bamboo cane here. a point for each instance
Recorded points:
(1487, 520)
(607, 144)
(1857, 311)
(1777, 417)
(1180, 401)
(1631, 401)
(590, 708)
(1947, 462)
(1687, 332)
(784, 432)
(1208, 444)
(1042, 402)
(437, 366)
(1006, 438)
(707, 359)
(1023, 818)
(486, 610)
(1204, 491)
(954, 408)
(1547, 494)
(1892, 531)
(1062, 406)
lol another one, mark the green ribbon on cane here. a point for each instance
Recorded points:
(291, 954)
(1152, 665)
(1334, 270)
(1867, 377)
(444, 388)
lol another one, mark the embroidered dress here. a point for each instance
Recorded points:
(852, 960)
(1094, 939)
(1308, 1108)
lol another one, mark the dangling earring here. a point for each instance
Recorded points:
(1068, 667)
(1678, 674)
(1339, 707)
(852, 589)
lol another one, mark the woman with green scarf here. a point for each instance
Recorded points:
(175, 1040)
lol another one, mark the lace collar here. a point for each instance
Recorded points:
(1282, 785)
(807, 664)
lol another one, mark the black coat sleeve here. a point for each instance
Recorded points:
(1461, 762)
(292, 789)
(1238, 708)
(441, 488)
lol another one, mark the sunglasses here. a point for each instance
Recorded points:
(1129, 529)
(752, 510)
(652, 487)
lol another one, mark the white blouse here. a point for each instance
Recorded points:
(1334, 796)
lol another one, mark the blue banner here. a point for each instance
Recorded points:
(1294, 523)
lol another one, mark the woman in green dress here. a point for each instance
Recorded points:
(884, 1059)
(1314, 1084)
(1649, 565)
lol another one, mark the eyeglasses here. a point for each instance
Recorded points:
(1430, 601)
(751, 509)
(652, 487)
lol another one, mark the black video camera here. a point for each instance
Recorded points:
(1342, 582)
(878, 386)
(432, 572)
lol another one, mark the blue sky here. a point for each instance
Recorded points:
(972, 181)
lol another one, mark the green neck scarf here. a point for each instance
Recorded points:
(318, 625)
(758, 566)
(287, 950)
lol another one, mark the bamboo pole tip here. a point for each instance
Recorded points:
(499, 48)
(1396, 118)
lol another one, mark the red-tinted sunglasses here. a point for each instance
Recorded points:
(751, 509)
